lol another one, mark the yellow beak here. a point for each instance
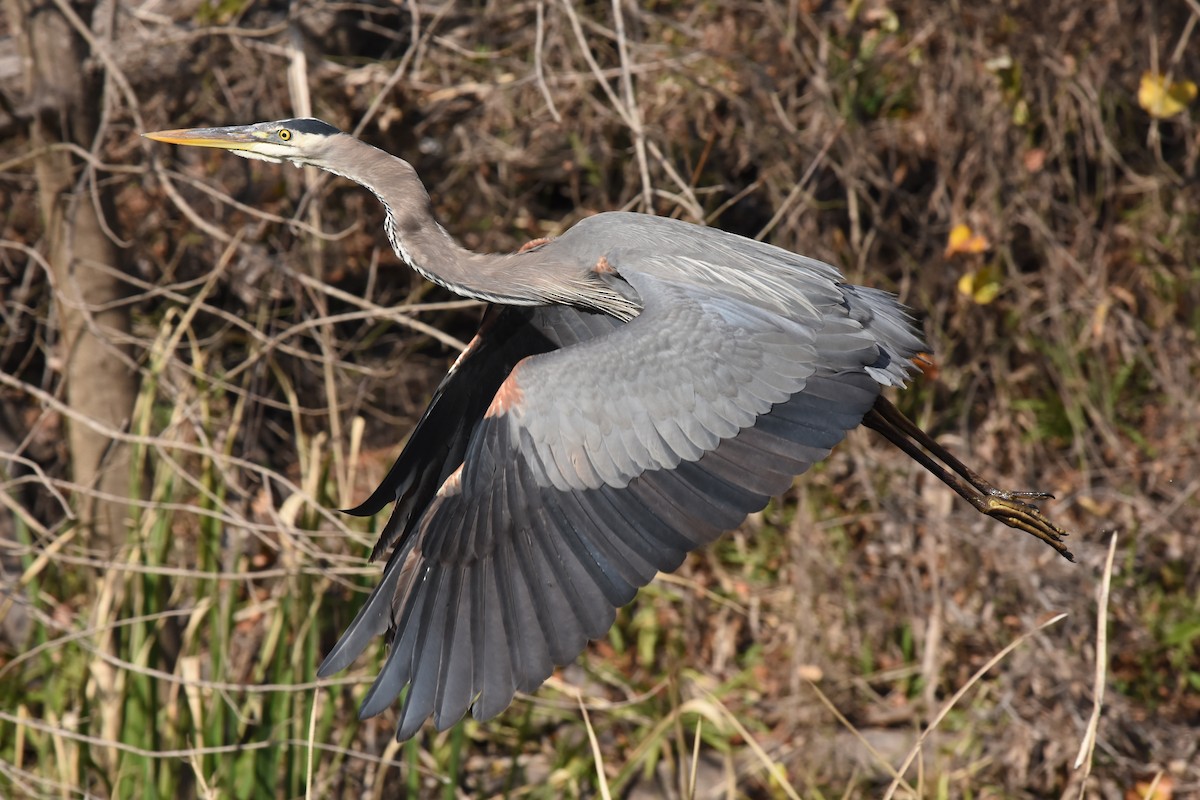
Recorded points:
(238, 137)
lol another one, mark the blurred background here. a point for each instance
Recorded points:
(202, 356)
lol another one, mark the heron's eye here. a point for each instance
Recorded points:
(284, 134)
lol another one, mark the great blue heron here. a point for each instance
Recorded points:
(637, 386)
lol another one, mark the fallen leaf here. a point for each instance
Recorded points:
(1162, 99)
(982, 286)
(810, 672)
(964, 240)
(1100, 317)
(1161, 788)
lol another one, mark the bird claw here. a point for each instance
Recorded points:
(1016, 513)
(1001, 494)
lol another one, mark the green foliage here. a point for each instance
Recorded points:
(871, 82)
(220, 12)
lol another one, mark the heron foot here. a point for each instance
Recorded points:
(1014, 509)
(1016, 513)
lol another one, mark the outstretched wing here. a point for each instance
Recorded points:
(593, 467)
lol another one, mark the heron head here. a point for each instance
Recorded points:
(300, 141)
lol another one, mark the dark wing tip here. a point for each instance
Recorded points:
(371, 620)
(386, 492)
(342, 655)
(379, 698)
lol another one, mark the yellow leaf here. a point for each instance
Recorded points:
(964, 240)
(1161, 99)
(1160, 788)
(981, 286)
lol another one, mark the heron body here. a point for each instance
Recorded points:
(638, 386)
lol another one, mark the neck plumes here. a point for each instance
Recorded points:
(534, 277)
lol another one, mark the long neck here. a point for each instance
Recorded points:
(528, 278)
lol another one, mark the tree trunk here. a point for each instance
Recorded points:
(65, 96)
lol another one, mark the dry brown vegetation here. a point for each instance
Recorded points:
(282, 351)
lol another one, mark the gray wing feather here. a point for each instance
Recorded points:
(626, 449)
(712, 367)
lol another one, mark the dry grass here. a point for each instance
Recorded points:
(853, 628)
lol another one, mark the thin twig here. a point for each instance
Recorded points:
(42, 479)
(419, 38)
(96, 741)
(183, 205)
(538, 71)
(309, 750)
(688, 201)
(416, 325)
(631, 105)
(356, 567)
(597, 755)
(771, 766)
(953, 701)
(785, 206)
(106, 430)
(292, 222)
(597, 73)
(1099, 677)
(857, 734)
(220, 686)
(110, 65)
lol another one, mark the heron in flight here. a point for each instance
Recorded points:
(638, 386)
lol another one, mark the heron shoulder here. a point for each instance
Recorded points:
(709, 260)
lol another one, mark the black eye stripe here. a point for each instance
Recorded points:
(309, 126)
